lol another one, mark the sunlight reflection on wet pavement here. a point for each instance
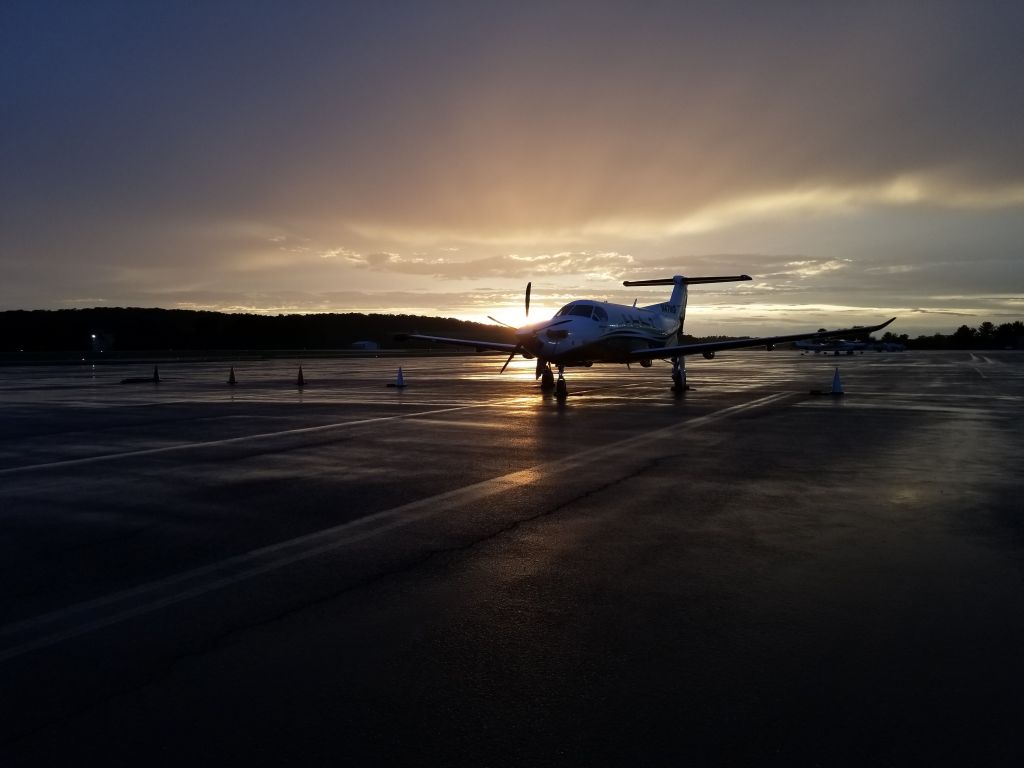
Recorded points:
(468, 562)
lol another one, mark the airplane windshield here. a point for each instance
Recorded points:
(582, 309)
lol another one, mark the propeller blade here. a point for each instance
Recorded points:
(499, 322)
(541, 365)
(528, 287)
(507, 362)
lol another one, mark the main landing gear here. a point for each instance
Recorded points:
(547, 379)
(679, 384)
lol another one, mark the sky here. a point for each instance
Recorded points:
(858, 160)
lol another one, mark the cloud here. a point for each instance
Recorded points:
(946, 312)
(609, 265)
(866, 154)
(791, 199)
(343, 253)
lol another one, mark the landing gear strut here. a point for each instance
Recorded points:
(679, 384)
(560, 389)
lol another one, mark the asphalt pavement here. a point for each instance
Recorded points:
(467, 572)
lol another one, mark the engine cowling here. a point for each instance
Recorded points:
(709, 355)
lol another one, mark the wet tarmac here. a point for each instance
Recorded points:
(466, 572)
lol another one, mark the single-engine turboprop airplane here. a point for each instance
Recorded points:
(835, 346)
(586, 332)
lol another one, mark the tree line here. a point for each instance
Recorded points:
(132, 329)
(985, 336)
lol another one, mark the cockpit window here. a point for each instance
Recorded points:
(583, 309)
(579, 308)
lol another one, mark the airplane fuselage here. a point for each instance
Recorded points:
(585, 332)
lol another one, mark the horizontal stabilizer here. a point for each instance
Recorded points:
(687, 280)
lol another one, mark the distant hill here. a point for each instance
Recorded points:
(132, 329)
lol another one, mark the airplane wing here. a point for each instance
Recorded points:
(716, 346)
(480, 346)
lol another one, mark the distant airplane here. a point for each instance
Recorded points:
(586, 332)
(835, 346)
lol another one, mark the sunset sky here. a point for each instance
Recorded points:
(859, 160)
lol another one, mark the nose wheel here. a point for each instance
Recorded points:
(561, 391)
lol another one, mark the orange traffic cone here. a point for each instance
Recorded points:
(300, 382)
(231, 377)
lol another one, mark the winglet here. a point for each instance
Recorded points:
(856, 331)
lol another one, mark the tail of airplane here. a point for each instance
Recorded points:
(676, 305)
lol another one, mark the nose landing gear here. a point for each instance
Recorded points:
(561, 392)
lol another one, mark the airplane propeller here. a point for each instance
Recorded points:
(519, 347)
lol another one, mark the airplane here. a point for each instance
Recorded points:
(889, 346)
(835, 346)
(585, 332)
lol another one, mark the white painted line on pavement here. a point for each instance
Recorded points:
(146, 598)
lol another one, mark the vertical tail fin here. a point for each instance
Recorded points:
(676, 305)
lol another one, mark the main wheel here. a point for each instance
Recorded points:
(561, 392)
